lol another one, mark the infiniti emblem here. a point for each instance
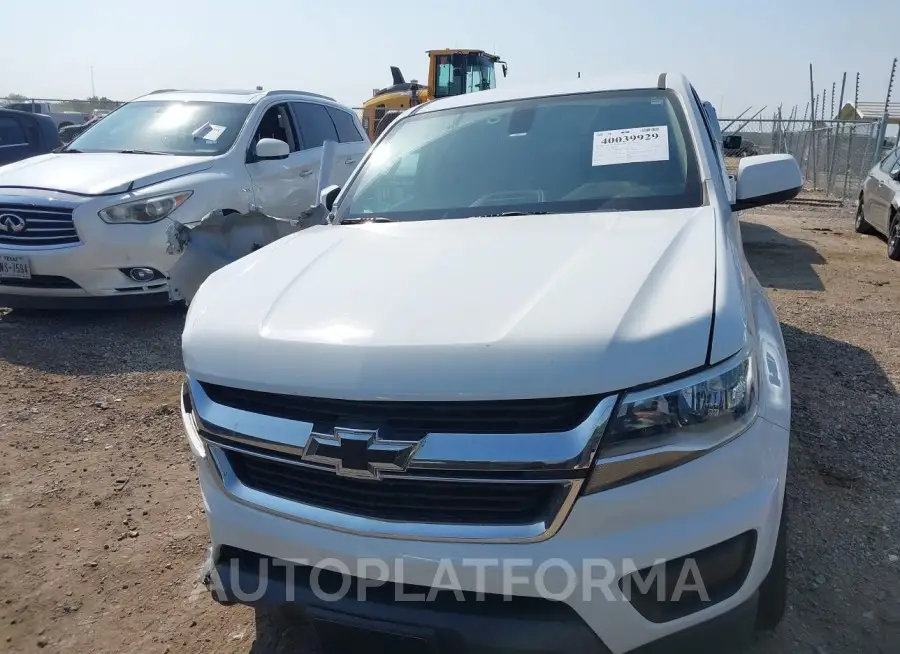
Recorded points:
(10, 222)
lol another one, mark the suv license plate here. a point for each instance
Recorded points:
(14, 267)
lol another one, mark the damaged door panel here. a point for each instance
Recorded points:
(221, 238)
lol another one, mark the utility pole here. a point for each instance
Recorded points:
(93, 90)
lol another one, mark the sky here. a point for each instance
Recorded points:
(737, 54)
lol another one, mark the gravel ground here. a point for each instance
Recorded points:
(102, 530)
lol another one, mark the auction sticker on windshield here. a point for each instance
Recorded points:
(14, 267)
(639, 144)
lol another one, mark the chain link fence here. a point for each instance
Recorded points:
(87, 107)
(834, 155)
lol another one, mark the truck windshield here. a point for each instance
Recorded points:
(166, 127)
(609, 151)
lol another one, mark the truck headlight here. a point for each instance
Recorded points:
(149, 210)
(657, 429)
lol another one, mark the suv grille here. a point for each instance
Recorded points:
(414, 419)
(405, 499)
(44, 226)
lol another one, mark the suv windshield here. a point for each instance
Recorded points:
(166, 127)
(609, 151)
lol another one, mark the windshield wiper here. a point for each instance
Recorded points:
(141, 152)
(513, 213)
(366, 219)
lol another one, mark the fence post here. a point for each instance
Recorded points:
(838, 132)
(852, 134)
(812, 136)
(879, 141)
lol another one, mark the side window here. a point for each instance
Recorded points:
(276, 124)
(345, 125)
(315, 124)
(11, 132)
(890, 161)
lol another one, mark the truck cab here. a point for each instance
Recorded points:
(60, 118)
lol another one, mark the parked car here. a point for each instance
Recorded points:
(738, 146)
(68, 133)
(24, 135)
(527, 339)
(60, 118)
(878, 205)
(111, 194)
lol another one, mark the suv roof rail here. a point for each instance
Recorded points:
(309, 93)
(226, 91)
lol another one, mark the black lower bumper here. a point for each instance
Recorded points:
(86, 302)
(446, 624)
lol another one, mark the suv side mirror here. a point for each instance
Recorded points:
(766, 179)
(329, 195)
(272, 149)
(732, 142)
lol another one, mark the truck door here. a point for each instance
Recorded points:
(19, 138)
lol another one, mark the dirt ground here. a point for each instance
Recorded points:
(102, 531)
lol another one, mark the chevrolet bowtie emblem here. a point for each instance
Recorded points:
(359, 453)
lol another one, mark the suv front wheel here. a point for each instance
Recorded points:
(861, 225)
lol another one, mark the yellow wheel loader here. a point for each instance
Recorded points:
(450, 72)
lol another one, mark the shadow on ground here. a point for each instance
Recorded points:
(93, 343)
(781, 261)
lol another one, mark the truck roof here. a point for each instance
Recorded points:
(674, 81)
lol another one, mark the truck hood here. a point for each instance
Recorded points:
(480, 308)
(100, 173)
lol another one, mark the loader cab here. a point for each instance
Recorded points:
(454, 72)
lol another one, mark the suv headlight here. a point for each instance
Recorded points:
(149, 210)
(660, 428)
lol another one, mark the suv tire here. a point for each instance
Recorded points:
(861, 225)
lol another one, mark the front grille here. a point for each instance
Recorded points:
(402, 499)
(40, 281)
(45, 226)
(414, 419)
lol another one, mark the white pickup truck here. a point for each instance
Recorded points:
(522, 393)
(61, 118)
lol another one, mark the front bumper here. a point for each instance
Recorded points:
(517, 627)
(734, 490)
(84, 269)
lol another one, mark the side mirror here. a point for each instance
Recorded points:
(272, 149)
(766, 179)
(329, 195)
(732, 142)
(503, 67)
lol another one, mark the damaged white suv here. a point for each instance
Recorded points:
(87, 226)
(527, 362)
